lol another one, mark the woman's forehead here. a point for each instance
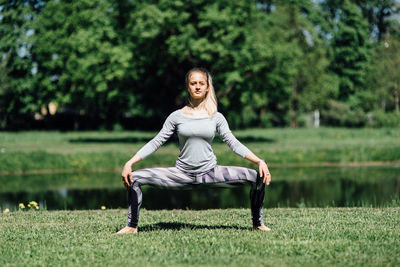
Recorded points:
(196, 75)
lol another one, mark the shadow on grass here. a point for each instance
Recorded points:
(179, 226)
(173, 139)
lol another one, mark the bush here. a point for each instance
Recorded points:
(385, 119)
(340, 114)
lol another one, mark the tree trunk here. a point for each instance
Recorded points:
(293, 105)
(396, 98)
(262, 111)
(316, 118)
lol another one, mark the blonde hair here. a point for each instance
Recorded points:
(210, 101)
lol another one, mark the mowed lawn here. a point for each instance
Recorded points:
(104, 151)
(299, 237)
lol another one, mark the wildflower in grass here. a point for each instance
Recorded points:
(21, 206)
(6, 211)
(103, 207)
(33, 205)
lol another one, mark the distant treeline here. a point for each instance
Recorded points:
(97, 64)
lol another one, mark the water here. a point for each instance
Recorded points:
(291, 187)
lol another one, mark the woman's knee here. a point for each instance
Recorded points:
(134, 182)
(259, 181)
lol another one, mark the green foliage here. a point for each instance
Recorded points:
(299, 237)
(385, 119)
(123, 63)
(309, 80)
(17, 90)
(381, 16)
(384, 75)
(82, 61)
(351, 50)
(340, 114)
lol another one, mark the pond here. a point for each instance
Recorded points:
(291, 187)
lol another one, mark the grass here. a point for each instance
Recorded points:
(300, 237)
(100, 151)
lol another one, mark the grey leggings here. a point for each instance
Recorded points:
(173, 177)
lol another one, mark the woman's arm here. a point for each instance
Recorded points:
(262, 166)
(149, 148)
(240, 149)
(167, 130)
(228, 137)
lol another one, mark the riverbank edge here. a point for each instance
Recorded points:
(273, 165)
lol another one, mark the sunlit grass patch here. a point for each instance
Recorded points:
(301, 236)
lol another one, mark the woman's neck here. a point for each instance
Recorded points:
(195, 109)
(196, 103)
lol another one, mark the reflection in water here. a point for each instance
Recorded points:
(309, 187)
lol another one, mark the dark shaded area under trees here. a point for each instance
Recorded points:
(97, 64)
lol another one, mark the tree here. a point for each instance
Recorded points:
(227, 37)
(350, 50)
(385, 74)
(81, 62)
(310, 83)
(16, 66)
(379, 14)
(125, 61)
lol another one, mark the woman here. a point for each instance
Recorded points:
(196, 125)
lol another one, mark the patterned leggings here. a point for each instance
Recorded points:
(173, 177)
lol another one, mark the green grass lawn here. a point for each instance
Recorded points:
(300, 237)
(51, 151)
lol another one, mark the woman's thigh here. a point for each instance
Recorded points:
(228, 175)
(166, 177)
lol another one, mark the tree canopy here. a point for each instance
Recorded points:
(113, 64)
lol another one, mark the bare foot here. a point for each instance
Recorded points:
(127, 230)
(261, 228)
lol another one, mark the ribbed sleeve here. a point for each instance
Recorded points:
(227, 136)
(165, 133)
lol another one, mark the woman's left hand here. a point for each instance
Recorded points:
(264, 172)
(262, 166)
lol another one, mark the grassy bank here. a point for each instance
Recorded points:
(70, 151)
(330, 236)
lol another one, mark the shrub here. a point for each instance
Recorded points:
(340, 114)
(385, 119)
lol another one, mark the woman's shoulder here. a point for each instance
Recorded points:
(175, 112)
(173, 116)
(219, 116)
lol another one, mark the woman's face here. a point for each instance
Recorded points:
(198, 87)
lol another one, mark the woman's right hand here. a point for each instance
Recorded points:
(127, 178)
(127, 174)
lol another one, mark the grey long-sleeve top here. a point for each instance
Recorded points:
(195, 140)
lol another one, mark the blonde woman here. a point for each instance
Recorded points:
(196, 125)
